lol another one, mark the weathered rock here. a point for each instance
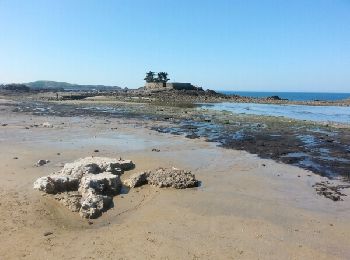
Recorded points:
(137, 179)
(175, 178)
(54, 183)
(41, 162)
(86, 185)
(92, 205)
(95, 165)
(104, 183)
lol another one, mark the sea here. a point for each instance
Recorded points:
(334, 114)
(293, 96)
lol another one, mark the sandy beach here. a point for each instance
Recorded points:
(245, 207)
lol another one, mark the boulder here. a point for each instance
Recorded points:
(87, 185)
(53, 184)
(92, 205)
(104, 183)
(137, 179)
(95, 165)
(175, 178)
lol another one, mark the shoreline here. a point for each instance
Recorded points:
(319, 147)
(242, 209)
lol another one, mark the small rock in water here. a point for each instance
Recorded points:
(41, 162)
(4, 124)
(15, 158)
(96, 151)
(155, 150)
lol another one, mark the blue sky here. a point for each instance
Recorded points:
(300, 45)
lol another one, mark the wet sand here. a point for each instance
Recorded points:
(246, 207)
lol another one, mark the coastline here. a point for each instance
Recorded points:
(317, 146)
(242, 209)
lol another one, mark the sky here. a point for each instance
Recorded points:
(247, 45)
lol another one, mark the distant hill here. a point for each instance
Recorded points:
(45, 84)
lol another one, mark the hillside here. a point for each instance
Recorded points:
(45, 84)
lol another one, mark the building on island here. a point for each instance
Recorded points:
(161, 83)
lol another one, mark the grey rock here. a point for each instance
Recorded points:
(175, 178)
(53, 184)
(95, 165)
(87, 185)
(104, 183)
(137, 179)
(41, 162)
(92, 205)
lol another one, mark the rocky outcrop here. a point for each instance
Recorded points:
(86, 185)
(175, 178)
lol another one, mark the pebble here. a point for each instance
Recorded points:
(47, 233)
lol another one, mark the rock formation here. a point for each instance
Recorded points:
(88, 185)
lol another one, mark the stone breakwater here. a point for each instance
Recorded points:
(88, 185)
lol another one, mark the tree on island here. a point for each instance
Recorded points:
(162, 77)
(150, 77)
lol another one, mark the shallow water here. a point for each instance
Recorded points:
(295, 96)
(335, 114)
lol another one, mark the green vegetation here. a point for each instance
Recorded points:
(162, 77)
